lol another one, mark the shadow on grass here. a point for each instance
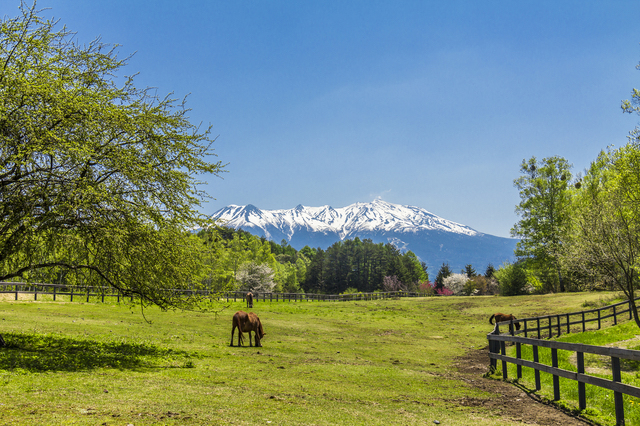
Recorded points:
(40, 353)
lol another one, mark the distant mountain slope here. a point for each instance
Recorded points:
(433, 239)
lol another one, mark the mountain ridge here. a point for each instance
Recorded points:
(433, 239)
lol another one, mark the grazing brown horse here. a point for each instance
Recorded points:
(247, 322)
(249, 300)
(503, 317)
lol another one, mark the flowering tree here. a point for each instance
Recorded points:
(443, 291)
(393, 284)
(455, 283)
(426, 287)
(254, 276)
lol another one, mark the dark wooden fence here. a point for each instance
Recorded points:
(549, 326)
(552, 325)
(85, 293)
(56, 290)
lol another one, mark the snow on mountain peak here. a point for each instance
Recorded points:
(347, 221)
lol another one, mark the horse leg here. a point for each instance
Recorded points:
(250, 339)
(233, 328)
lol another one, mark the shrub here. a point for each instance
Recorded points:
(512, 279)
(427, 287)
(482, 285)
(444, 291)
(470, 288)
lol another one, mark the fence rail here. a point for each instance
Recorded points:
(550, 325)
(498, 341)
(56, 290)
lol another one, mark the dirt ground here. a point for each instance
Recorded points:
(513, 403)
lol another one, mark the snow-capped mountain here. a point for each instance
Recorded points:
(433, 239)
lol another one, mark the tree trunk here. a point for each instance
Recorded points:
(634, 309)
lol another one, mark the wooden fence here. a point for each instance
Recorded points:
(497, 352)
(85, 293)
(549, 326)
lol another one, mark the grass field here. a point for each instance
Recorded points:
(322, 363)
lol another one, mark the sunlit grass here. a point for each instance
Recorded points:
(323, 363)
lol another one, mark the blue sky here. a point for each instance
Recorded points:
(423, 103)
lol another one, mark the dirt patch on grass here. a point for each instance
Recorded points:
(510, 401)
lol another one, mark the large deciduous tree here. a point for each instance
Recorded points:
(604, 244)
(545, 196)
(97, 178)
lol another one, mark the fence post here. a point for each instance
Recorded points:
(617, 396)
(599, 322)
(519, 356)
(556, 379)
(494, 348)
(584, 326)
(568, 324)
(582, 395)
(525, 329)
(538, 322)
(615, 316)
(536, 359)
(503, 352)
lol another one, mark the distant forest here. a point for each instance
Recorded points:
(237, 259)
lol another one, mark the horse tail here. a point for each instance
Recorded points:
(491, 319)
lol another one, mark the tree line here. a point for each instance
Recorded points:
(237, 259)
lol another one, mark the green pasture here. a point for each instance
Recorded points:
(600, 402)
(323, 363)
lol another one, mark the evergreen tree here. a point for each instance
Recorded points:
(444, 272)
(488, 273)
(469, 271)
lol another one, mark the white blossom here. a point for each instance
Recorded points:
(455, 283)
